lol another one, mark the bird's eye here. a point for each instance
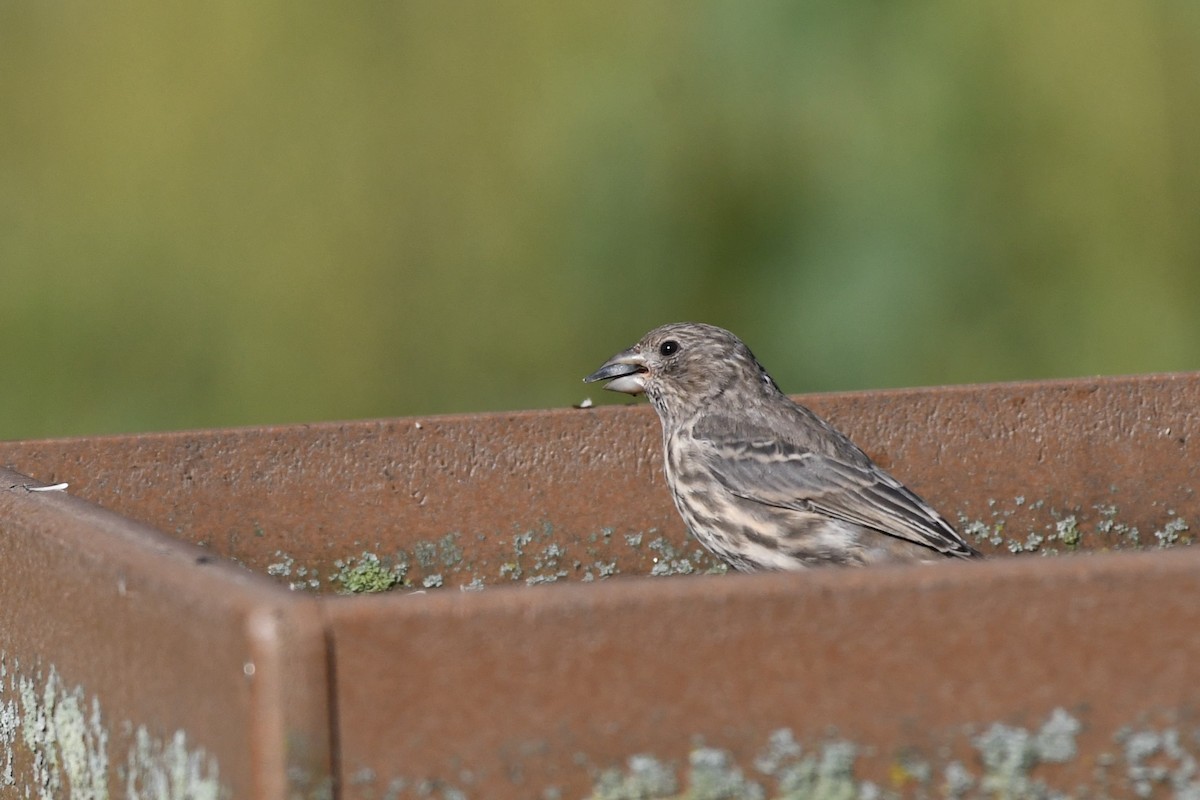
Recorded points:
(669, 347)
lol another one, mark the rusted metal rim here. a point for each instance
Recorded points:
(911, 679)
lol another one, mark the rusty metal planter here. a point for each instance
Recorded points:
(171, 620)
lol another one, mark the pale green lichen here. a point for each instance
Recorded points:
(1159, 759)
(425, 554)
(541, 555)
(1051, 531)
(368, 574)
(281, 568)
(1009, 756)
(1172, 533)
(644, 778)
(55, 743)
(534, 580)
(158, 770)
(1008, 765)
(782, 749)
(423, 789)
(297, 577)
(672, 560)
(956, 781)
(547, 565)
(1055, 742)
(827, 775)
(535, 556)
(65, 737)
(1118, 534)
(714, 775)
(1067, 532)
(450, 551)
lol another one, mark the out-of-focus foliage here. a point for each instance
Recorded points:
(235, 213)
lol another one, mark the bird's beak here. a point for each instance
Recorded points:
(625, 372)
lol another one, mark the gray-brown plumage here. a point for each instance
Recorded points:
(761, 481)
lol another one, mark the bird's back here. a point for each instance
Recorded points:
(774, 486)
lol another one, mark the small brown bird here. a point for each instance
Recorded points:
(761, 481)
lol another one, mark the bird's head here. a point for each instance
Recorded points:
(684, 365)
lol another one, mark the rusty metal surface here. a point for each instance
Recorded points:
(306, 496)
(537, 691)
(529, 693)
(1088, 464)
(134, 664)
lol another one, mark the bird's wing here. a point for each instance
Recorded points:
(786, 476)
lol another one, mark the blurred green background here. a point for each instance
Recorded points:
(238, 213)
